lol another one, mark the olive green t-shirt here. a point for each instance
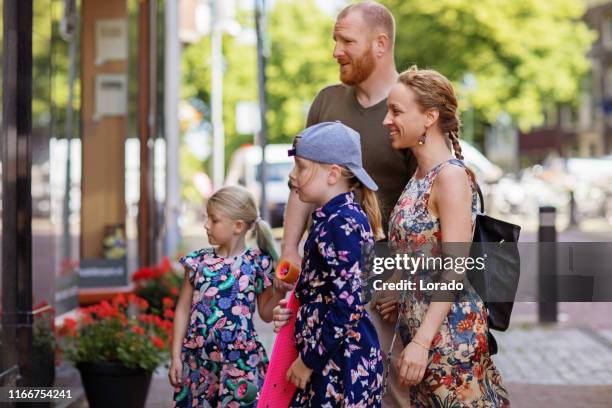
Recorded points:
(391, 169)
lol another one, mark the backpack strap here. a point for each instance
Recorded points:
(480, 197)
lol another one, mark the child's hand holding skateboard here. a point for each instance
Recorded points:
(299, 373)
(281, 315)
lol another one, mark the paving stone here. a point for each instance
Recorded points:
(542, 355)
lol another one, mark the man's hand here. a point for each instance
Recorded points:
(293, 256)
(387, 309)
(282, 287)
(299, 374)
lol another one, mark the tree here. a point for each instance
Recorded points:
(300, 64)
(239, 84)
(526, 55)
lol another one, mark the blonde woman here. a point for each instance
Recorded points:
(446, 363)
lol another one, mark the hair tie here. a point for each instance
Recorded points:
(257, 220)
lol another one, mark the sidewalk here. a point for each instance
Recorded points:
(559, 396)
(565, 365)
(556, 366)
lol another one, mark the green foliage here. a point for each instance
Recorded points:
(50, 66)
(526, 55)
(299, 65)
(189, 166)
(43, 338)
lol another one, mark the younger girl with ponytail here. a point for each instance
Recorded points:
(339, 360)
(215, 345)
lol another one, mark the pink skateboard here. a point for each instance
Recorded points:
(276, 391)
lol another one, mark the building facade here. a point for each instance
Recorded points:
(83, 160)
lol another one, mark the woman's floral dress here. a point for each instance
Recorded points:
(221, 346)
(333, 331)
(460, 371)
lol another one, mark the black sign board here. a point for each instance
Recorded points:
(96, 273)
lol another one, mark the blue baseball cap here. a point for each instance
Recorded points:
(333, 143)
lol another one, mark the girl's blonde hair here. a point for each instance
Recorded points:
(238, 204)
(369, 202)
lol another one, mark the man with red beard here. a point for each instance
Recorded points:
(364, 34)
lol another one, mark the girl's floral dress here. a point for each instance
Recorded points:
(333, 331)
(460, 371)
(221, 346)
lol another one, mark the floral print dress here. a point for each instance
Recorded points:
(460, 371)
(334, 334)
(221, 346)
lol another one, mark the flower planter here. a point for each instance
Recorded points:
(111, 384)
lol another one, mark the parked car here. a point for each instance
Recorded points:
(245, 170)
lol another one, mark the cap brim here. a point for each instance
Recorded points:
(364, 177)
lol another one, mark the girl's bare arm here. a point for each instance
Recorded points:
(181, 316)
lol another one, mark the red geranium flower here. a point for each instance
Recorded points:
(158, 342)
(101, 334)
(168, 302)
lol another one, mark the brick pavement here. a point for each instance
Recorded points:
(552, 355)
(560, 396)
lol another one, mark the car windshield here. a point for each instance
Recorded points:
(275, 171)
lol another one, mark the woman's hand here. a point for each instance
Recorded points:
(387, 309)
(298, 373)
(280, 315)
(412, 364)
(175, 372)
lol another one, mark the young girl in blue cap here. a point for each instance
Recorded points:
(339, 361)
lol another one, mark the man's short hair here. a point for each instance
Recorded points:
(375, 15)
